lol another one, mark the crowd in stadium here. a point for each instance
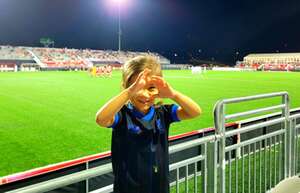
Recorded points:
(16, 53)
(65, 57)
(269, 66)
(86, 58)
(271, 62)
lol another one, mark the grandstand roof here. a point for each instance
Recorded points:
(275, 55)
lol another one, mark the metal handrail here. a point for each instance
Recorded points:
(262, 110)
(296, 116)
(107, 168)
(251, 141)
(65, 180)
(220, 117)
(253, 127)
(190, 144)
(255, 97)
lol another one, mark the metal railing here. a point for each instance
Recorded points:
(262, 161)
(295, 145)
(250, 165)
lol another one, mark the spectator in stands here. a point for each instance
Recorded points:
(140, 128)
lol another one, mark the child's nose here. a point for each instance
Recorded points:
(146, 93)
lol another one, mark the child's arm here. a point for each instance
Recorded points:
(188, 108)
(105, 116)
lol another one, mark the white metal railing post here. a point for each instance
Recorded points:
(212, 154)
(287, 136)
(204, 170)
(87, 180)
(293, 141)
(294, 144)
(220, 131)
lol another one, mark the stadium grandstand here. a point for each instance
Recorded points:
(271, 62)
(33, 58)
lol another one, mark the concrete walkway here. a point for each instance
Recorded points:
(289, 185)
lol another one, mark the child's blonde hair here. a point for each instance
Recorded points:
(137, 65)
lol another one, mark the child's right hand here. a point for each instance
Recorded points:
(140, 82)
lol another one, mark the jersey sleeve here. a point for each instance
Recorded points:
(117, 120)
(170, 112)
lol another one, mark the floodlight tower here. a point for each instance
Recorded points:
(119, 3)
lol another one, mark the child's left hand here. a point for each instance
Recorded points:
(164, 89)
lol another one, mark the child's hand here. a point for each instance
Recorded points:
(140, 81)
(164, 89)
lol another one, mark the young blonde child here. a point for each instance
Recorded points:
(140, 128)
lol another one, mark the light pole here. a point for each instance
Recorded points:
(119, 32)
(119, 4)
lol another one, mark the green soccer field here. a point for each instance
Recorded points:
(49, 117)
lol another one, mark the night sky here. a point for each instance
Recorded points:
(221, 30)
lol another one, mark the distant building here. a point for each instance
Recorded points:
(271, 61)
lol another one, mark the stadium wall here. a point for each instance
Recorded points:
(18, 63)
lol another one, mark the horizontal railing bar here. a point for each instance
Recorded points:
(183, 179)
(106, 189)
(109, 188)
(255, 126)
(251, 112)
(65, 180)
(266, 116)
(248, 98)
(190, 144)
(186, 162)
(297, 127)
(254, 140)
(295, 116)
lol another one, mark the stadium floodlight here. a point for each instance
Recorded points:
(120, 3)
(120, 32)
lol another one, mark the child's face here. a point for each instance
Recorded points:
(144, 98)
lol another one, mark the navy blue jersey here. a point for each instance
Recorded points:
(140, 155)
